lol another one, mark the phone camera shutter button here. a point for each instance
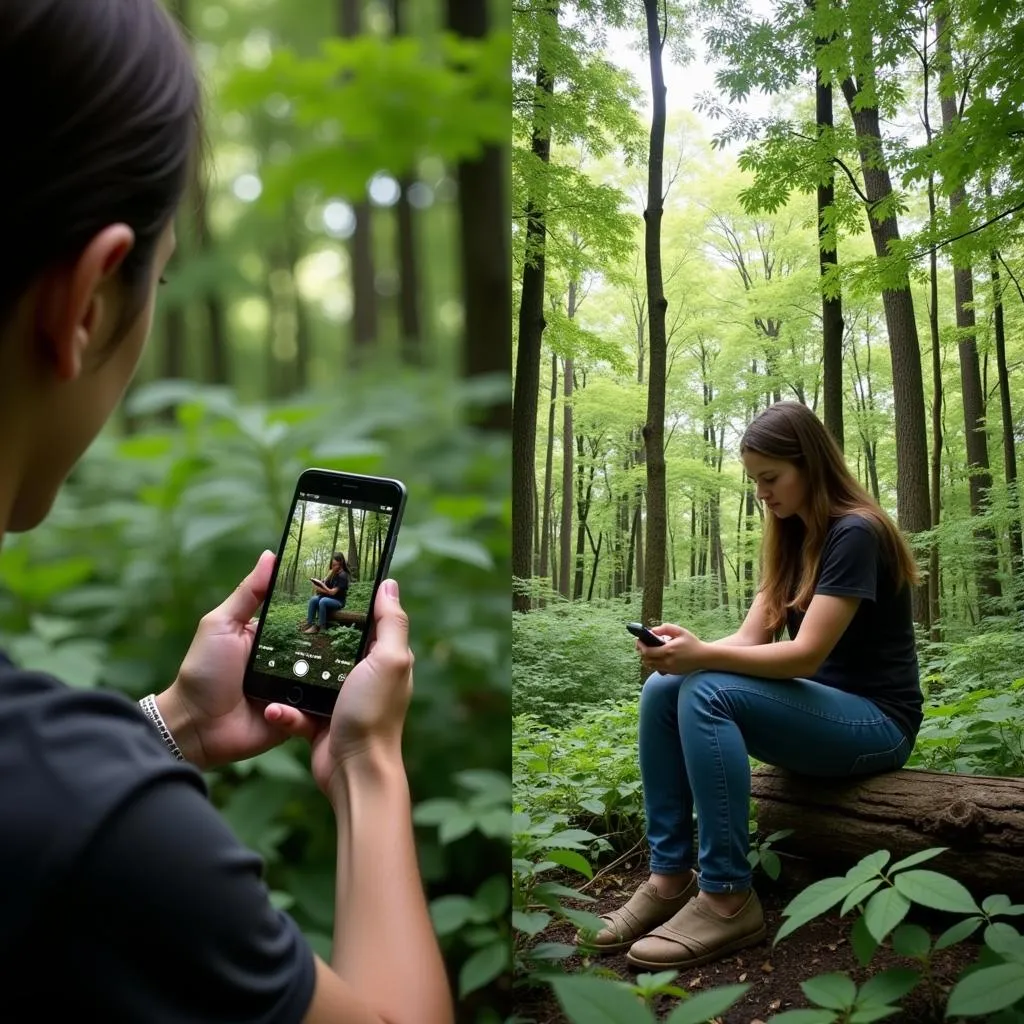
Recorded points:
(295, 694)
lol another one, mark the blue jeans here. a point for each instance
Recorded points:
(696, 732)
(322, 605)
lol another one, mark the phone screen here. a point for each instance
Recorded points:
(310, 636)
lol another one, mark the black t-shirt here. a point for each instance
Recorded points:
(126, 897)
(338, 579)
(875, 657)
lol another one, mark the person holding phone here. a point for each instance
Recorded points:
(330, 595)
(120, 877)
(840, 697)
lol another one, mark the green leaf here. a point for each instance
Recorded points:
(455, 827)
(834, 991)
(551, 951)
(776, 836)
(815, 900)
(993, 905)
(884, 911)
(957, 933)
(939, 892)
(861, 893)
(583, 919)
(887, 987)
(706, 1005)
(771, 864)
(493, 895)
(450, 913)
(805, 1016)
(434, 812)
(483, 967)
(572, 859)
(917, 858)
(587, 1000)
(986, 991)
(1005, 940)
(862, 942)
(532, 923)
(873, 1013)
(911, 940)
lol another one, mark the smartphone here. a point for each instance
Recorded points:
(644, 635)
(345, 514)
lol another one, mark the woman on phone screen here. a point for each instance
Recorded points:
(122, 881)
(331, 594)
(840, 696)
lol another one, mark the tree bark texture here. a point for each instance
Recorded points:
(912, 500)
(980, 478)
(654, 428)
(531, 328)
(980, 818)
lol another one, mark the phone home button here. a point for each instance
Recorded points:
(295, 694)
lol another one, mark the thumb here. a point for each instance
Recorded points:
(247, 597)
(391, 624)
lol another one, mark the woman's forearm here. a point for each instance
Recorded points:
(733, 640)
(382, 925)
(783, 660)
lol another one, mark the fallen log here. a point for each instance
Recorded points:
(838, 821)
(349, 618)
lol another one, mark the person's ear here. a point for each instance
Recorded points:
(75, 307)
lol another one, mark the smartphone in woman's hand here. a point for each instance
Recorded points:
(306, 644)
(644, 635)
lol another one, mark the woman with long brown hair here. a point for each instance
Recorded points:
(840, 696)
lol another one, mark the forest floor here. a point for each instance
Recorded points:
(819, 947)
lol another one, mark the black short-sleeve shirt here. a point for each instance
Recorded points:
(126, 898)
(876, 656)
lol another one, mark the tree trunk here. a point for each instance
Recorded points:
(836, 822)
(363, 276)
(483, 243)
(1009, 444)
(531, 328)
(831, 307)
(568, 439)
(353, 548)
(337, 530)
(912, 499)
(298, 549)
(654, 428)
(303, 336)
(979, 476)
(545, 538)
(597, 558)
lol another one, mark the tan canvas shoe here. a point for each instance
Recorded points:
(697, 935)
(644, 910)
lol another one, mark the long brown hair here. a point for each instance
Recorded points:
(790, 549)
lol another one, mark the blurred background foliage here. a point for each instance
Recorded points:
(339, 299)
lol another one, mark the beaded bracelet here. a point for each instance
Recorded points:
(148, 705)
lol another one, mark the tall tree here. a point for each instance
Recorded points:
(979, 477)
(831, 299)
(361, 255)
(531, 320)
(483, 247)
(656, 15)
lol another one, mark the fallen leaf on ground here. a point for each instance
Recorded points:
(767, 967)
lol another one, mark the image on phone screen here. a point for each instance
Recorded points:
(311, 634)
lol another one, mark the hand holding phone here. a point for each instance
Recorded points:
(644, 635)
(314, 641)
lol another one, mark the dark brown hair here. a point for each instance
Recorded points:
(791, 550)
(339, 557)
(101, 127)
